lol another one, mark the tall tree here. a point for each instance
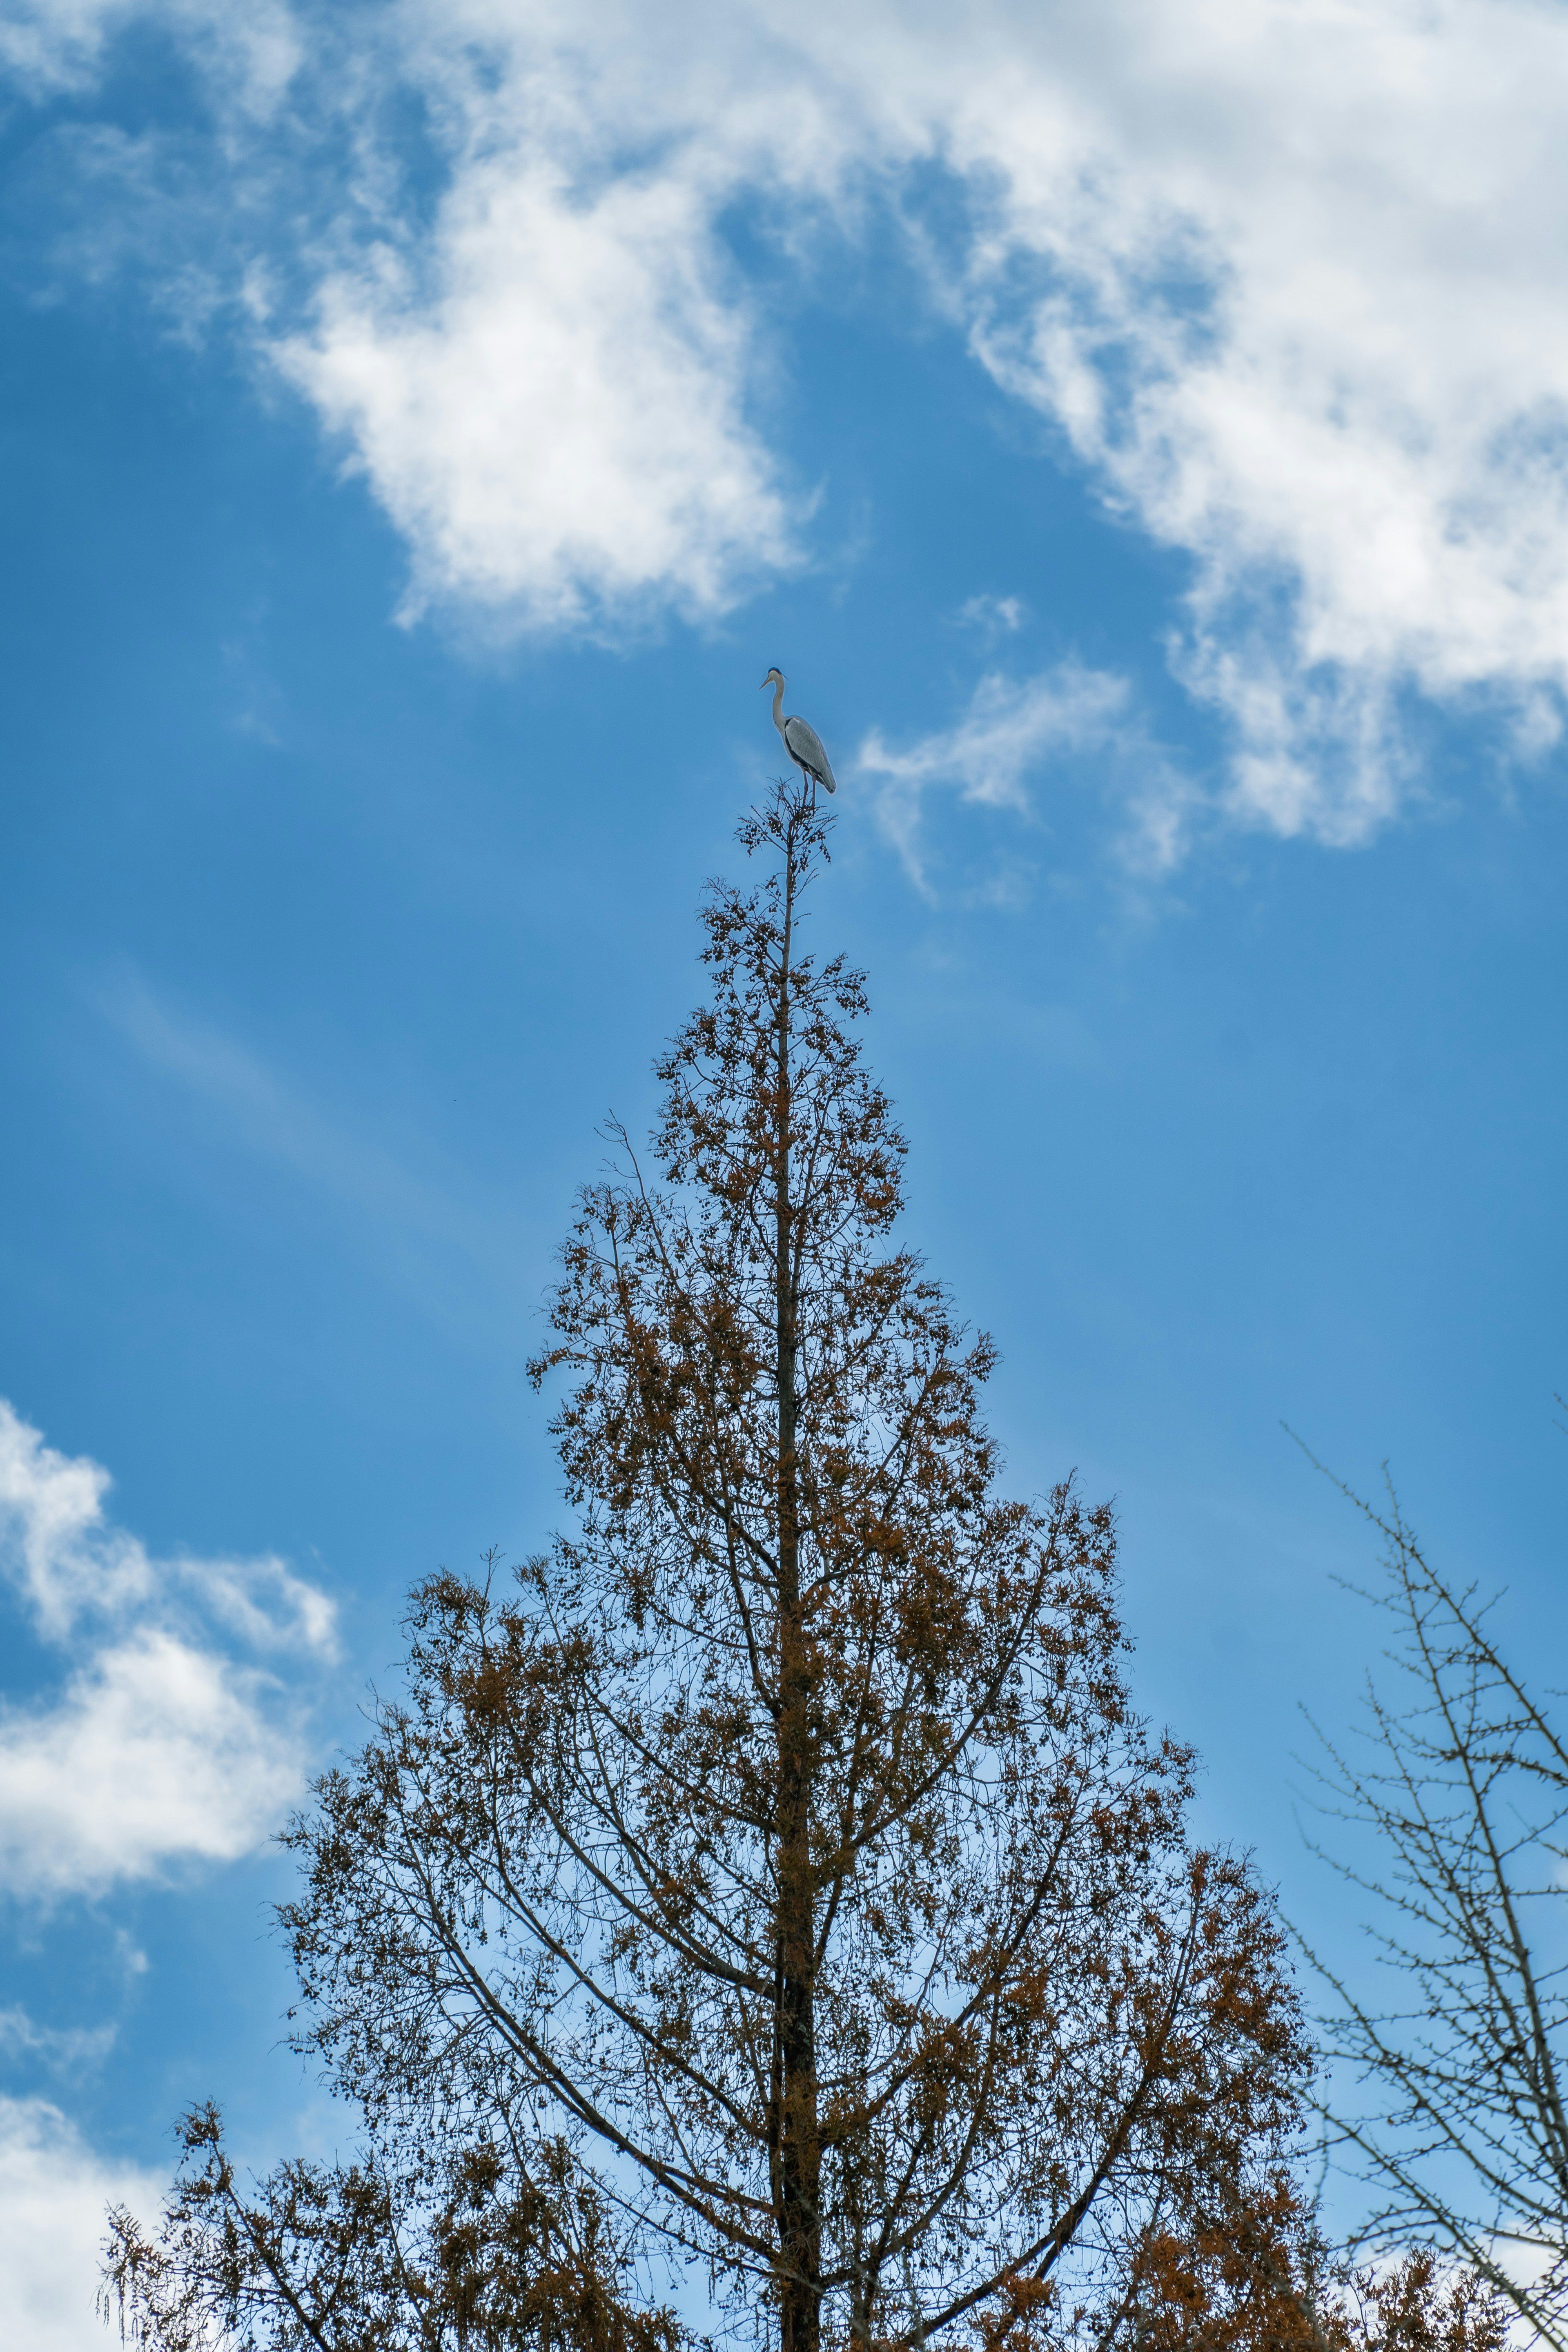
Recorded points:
(1455, 1792)
(784, 1836)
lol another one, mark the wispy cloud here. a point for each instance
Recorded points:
(1008, 727)
(62, 2049)
(178, 1733)
(267, 1112)
(993, 615)
(252, 52)
(417, 1220)
(1013, 729)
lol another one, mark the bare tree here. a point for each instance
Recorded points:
(1457, 1794)
(781, 1849)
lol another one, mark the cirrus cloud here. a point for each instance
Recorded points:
(50, 46)
(1012, 729)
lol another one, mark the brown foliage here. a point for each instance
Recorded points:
(1259, 2279)
(463, 2248)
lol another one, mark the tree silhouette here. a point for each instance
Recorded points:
(779, 1857)
(787, 1831)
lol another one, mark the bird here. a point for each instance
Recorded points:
(800, 739)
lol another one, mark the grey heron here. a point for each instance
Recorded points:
(800, 739)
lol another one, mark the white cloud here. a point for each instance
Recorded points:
(69, 1560)
(1290, 281)
(53, 2193)
(551, 406)
(162, 1746)
(158, 1751)
(55, 1543)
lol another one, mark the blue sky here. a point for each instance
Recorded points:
(1139, 433)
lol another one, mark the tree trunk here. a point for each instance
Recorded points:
(798, 2155)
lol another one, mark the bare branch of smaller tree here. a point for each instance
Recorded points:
(1460, 1777)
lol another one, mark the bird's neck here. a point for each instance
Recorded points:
(778, 702)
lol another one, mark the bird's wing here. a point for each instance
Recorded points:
(804, 744)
